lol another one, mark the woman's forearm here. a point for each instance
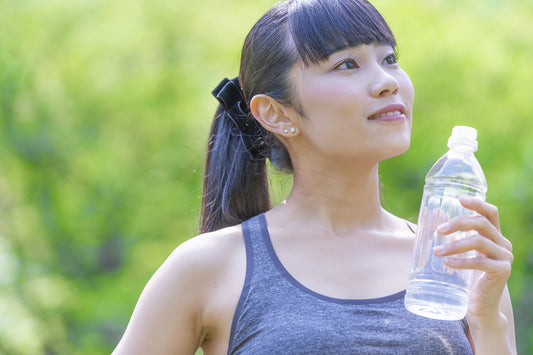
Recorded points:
(491, 336)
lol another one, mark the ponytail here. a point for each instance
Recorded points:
(235, 179)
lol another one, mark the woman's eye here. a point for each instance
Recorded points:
(391, 59)
(347, 64)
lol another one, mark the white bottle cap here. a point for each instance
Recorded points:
(463, 135)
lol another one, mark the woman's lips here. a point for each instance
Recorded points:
(392, 112)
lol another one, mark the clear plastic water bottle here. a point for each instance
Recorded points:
(435, 290)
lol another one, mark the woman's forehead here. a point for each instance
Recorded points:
(320, 28)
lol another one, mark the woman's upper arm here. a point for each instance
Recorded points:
(168, 316)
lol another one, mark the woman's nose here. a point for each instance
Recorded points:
(384, 84)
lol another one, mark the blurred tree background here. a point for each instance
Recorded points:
(104, 116)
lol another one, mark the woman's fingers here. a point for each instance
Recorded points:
(481, 225)
(486, 223)
(494, 250)
(483, 208)
(481, 244)
(489, 266)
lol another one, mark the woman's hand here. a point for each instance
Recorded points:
(489, 312)
(494, 257)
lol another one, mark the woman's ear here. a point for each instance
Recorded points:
(273, 116)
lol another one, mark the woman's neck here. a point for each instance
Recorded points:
(340, 199)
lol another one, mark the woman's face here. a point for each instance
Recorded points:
(356, 104)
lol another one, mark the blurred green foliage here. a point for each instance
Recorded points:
(104, 114)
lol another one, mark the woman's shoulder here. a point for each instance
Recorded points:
(197, 264)
(412, 226)
(403, 225)
(180, 296)
(209, 252)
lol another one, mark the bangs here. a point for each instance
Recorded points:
(320, 28)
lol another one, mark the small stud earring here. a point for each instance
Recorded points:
(286, 131)
(292, 130)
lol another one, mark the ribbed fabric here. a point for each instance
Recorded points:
(277, 315)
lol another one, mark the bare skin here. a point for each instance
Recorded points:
(191, 299)
(331, 233)
(201, 281)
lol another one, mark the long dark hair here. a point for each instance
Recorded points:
(235, 181)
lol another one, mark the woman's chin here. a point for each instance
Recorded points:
(397, 148)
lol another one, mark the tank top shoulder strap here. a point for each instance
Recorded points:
(258, 268)
(255, 234)
(411, 226)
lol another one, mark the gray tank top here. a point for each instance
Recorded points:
(278, 315)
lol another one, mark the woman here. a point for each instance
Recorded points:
(320, 94)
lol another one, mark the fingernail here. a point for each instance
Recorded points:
(450, 261)
(443, 228)
(466, 199)
(439, 249)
